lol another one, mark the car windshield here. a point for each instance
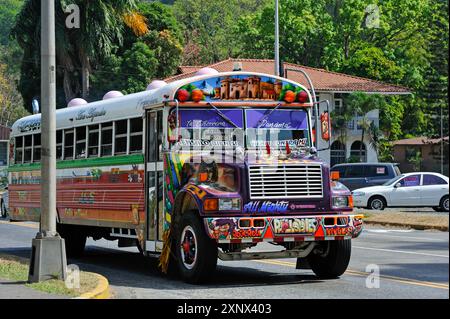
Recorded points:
(393, 180)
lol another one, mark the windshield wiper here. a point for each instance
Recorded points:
(258, 124)
(223, 115)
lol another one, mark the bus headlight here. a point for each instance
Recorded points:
(222, 204)
(229, 204)
(342, 201)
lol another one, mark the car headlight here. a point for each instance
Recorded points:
(358, 193)
(342, 202)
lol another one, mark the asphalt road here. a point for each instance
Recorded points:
(412, 264)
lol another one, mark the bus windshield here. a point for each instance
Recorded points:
(276, 128)
(206, 128)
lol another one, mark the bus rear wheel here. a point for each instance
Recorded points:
(74, 239)
(195, 252)
(332, 259)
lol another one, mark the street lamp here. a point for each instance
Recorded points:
(48, 256)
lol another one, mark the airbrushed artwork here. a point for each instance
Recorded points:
(242, 88)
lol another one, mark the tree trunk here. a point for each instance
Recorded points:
(68, 91)
(85, 66)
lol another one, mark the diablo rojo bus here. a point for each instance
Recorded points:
(199, 169)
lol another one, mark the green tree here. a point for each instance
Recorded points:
(209, 26)
(10, 100)
(155, 55)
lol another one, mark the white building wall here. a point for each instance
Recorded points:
(353, 135)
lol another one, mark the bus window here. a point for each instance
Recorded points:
(136, 135)
(28, 149)
(59, 144)
(93, 140)
(121, 137)
(80, 142)
(37, 148)
(106, 148)
(68, 144)
(19, 150)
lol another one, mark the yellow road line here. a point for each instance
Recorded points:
(21, 224)
(365, 274)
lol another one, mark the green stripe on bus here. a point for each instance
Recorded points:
(80, 163)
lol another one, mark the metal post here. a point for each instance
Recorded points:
(442, 144)
(48, 257)
(277, 40)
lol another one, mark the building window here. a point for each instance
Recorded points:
(106, 139)
(37, 148)
(358, 152)
(3, 153)
(68, 144)
(136, 128)
(93, 140)
(338, 153)
(121, 135)
(338, 105)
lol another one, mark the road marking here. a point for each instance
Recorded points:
(20, 224)
(351, 272)
(367, 232)
(389, 230)
(400, 251)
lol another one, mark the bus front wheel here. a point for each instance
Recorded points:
(331, 259)
(196, 253)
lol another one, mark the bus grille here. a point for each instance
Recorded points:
(285, 181)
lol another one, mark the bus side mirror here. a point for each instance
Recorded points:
(398, 185)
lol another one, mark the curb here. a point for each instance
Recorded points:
(413, 226)
(100, 292)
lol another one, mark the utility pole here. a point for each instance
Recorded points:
(48, 257)
(277, 39)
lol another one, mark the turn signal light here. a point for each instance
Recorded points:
(350, 201)
(210, 204)
(335, 175)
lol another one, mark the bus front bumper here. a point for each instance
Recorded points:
(237, 230)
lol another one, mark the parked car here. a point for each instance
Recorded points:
(420, 189)
(358, 175)
(4, 200)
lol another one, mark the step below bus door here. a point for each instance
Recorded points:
(154, 181)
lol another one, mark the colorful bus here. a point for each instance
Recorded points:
(201, 169)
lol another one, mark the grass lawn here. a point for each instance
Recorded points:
(16, 269)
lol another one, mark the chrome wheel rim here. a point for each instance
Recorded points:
(377, 204)
(188, 247)
(445, 204)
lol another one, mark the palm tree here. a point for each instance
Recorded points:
(362, 103)
(101, 30)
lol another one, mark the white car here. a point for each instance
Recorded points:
(421, 189)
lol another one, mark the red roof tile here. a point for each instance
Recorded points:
(323, 80)
(422, 140)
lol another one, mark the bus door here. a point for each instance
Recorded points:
(154, 180)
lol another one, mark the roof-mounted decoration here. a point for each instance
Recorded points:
(242, 87)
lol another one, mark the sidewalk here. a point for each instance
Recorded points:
(18, 290)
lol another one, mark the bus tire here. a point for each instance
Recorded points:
(334, 260)
(74, 239)
(195, 252)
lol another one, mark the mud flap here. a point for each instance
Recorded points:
(302, 263)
